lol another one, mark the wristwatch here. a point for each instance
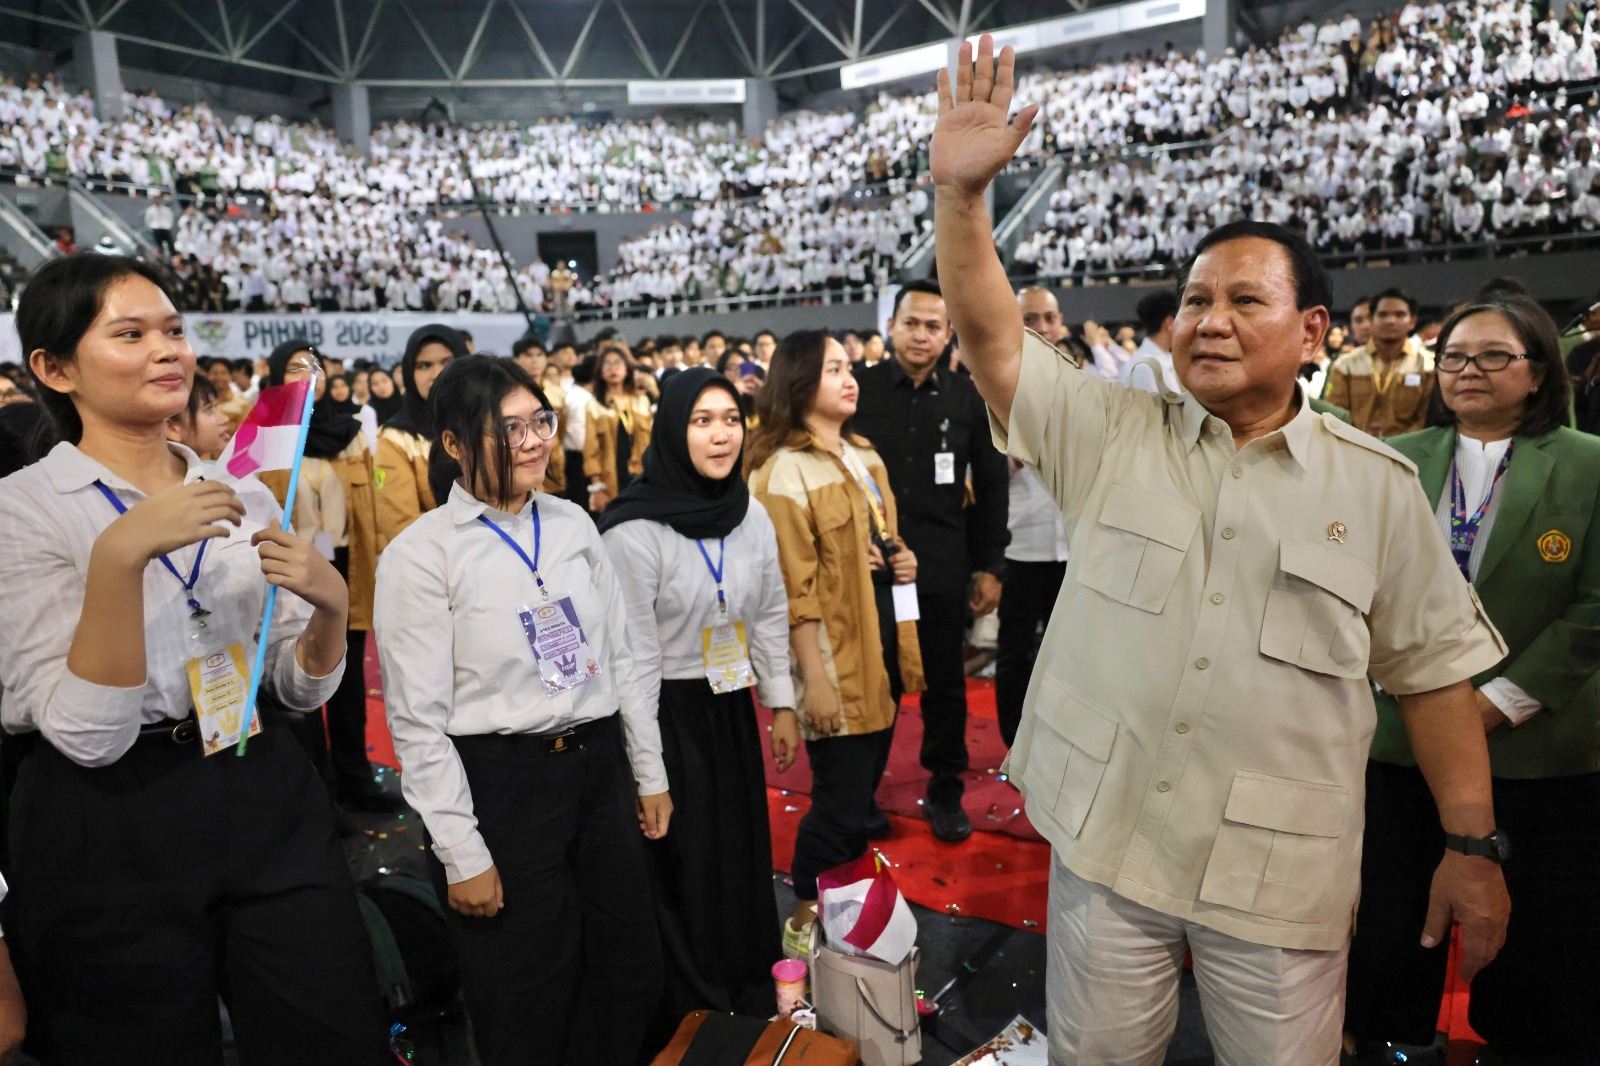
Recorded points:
(1496, 846)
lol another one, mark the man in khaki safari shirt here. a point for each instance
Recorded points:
(1195, 734)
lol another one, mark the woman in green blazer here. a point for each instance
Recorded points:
(1518, 497)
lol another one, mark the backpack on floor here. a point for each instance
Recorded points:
(705, 1038)
(417, 969)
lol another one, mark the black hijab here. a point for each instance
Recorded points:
(333, 425)
(385, 407)
(415, 416)
(671, 491)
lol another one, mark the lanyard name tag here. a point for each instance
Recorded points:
(220, 683)
(559, 646)
(726, 656)
(1413, 380)
(944, 468)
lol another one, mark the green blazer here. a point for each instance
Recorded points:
(1539, 581)
(1324, 407)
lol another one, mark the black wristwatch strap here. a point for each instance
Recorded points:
(1496, 846)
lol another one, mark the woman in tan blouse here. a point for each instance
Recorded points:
(828, 495)
(620, 419)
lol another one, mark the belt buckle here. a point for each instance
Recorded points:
(560, 743)
(185, 732)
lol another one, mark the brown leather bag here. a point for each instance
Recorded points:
(706, 1038)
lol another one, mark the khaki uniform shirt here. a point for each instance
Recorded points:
(1385, 403)
(822, 523)
(400, 479)
(1195, 734)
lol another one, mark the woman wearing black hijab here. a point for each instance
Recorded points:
(335, 509)
(708, 619)
(401, 474)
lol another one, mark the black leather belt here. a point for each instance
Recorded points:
(568, 739)
(177, 731)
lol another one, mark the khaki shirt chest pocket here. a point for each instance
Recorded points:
(1068, 756)
(1279, 851)
(1316, 608)
(1138, 547)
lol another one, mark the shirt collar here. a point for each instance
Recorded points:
(464, 508)
(1295, 434)
(898, 376)
(70, 470)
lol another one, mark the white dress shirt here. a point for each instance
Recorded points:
(456, 662)
(575, 420)
(1477, 461)
(1038, 531)
(51, 514)
(1149, 349)
(672, 597)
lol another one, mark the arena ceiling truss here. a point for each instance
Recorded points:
(455, 45)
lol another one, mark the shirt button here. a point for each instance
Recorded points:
(1182, 727)
(1217, 597)
(1238, 471)
(1216, 428)
(1201, 663)
(1163, 786)
(1227, 534)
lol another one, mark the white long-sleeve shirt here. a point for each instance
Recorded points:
(457, 663)
(51, 514)
(672, 597)
(1145, 379)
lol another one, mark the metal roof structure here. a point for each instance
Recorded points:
(460, 46)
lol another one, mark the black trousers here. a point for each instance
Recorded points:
(570, 970)
(845, 772)
(142, 890)
(347, 720)
(1536, 1002)
(1026, 601)
(942, 632)
(577, 480)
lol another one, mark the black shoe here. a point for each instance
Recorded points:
(878, 827)
(949, 821)
(370, 799)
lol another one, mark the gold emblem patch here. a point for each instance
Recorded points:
(1337, 531)
(1555, 546)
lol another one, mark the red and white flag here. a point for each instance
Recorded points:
(863, 912)
(269, 437)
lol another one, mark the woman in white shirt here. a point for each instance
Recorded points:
(525, 744)
(708, 620)
(147, 878)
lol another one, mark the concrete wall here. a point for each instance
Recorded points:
(520, 233)
(781, 320)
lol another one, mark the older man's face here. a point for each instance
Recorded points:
(1238, 337)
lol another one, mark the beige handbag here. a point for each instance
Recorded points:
(868, 1001)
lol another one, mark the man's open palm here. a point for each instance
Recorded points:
(972, 140)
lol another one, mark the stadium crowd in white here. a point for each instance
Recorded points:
(1369, 136)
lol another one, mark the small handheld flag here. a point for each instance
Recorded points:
(272, 437)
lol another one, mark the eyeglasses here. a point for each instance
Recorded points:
(1488, 362)
(543, 425)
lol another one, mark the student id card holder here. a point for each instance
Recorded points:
(219, 683)
(560, 647)
(726, 656)
(944, 460)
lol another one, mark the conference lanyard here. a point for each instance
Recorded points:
(716, 571)
(533, 564)
(869, 488)
(1463, 527)
(196, 611)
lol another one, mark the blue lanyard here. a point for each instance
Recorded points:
(1464, 527)
(199, 556)
(533, 564)
(716, 571)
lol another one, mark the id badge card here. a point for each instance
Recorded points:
(944, 468)
(1413, 380)
(562, 651)
(727, 657)
(220, 684)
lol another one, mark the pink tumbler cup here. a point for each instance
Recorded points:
(790, 977)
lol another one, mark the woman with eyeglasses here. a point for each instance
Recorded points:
(153, 868)
(524, 741)
(1518, 499)
(709, 624)
(618, 433)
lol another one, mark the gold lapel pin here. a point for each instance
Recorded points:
(1337, 531)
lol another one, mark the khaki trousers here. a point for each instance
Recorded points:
(1112, 986)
